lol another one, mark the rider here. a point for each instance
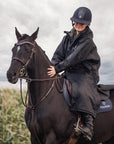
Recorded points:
(77, 56)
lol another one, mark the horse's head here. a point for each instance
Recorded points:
(22, 53)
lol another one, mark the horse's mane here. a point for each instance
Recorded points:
(42, 52)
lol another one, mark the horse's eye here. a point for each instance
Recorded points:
(15, 45)
(13, 49)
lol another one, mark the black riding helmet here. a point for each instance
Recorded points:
(82, 15)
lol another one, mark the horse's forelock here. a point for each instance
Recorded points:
(24, 36)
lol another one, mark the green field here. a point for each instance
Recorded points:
(13, 129)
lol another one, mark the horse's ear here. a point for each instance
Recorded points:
(34, 35)
(18, 35)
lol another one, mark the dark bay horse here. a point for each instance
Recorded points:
(47, 115)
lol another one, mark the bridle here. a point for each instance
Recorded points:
(29, 80)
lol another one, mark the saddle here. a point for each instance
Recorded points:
(105, 106)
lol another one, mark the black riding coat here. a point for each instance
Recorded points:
(78, 58)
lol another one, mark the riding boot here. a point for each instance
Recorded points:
(87, 128)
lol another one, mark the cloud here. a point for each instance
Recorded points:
(53, 17)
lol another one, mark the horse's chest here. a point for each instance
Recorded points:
(35, 119)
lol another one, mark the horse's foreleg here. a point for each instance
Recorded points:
(51, 138)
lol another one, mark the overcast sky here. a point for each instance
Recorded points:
(53, 17)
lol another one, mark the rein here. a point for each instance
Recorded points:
(36, 80)
(40, 80)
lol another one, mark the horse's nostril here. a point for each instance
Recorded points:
(14, 74)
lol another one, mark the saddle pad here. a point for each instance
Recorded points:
(105, 106)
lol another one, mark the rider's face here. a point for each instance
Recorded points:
(80, 27)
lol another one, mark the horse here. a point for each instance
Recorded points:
(47, 114)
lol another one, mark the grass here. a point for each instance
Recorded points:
(13, 129)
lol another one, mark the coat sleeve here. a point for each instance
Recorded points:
(77, 56)
(59, 54)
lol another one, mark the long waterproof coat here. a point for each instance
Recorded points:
(78, 58)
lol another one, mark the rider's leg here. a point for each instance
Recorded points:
(87, 119)
(87, 127)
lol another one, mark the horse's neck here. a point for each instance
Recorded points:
(40, 63)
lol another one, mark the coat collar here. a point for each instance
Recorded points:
(87, 33)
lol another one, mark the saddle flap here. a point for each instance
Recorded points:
(105, 106)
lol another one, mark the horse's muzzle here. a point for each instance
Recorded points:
(12, 77)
